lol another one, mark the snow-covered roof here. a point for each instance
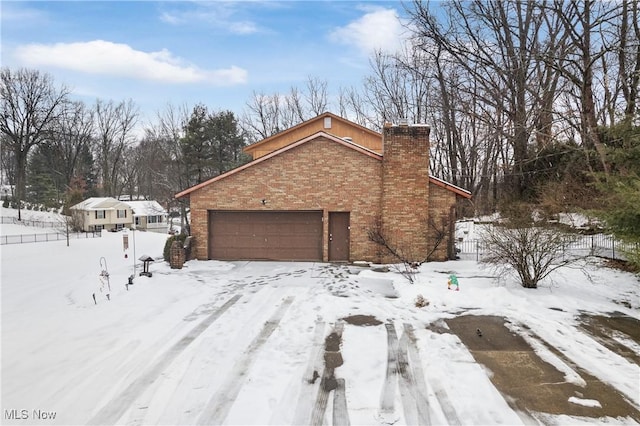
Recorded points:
(100, 203)
(146, 208)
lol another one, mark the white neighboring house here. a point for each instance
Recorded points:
(149, 215)
(98, 213)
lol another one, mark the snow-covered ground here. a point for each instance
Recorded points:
(237, 342)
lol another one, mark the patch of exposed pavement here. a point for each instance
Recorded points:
(530, 384)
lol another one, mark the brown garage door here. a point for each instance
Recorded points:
(265, 235)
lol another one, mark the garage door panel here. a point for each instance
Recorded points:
(265, 235)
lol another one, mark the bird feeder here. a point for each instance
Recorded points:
(146, 260)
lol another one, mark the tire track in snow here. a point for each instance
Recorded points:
(413, 388)
(340, 411)
(405, 383)
(446, 405)
(387, 409)
(221, 402)
(328, 382)
(88, 376)
(404, 368)
(114, 409)
(303, 407)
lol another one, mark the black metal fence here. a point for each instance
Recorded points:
(44, 237)
(41, 237)
(598, 245)
(12, 220)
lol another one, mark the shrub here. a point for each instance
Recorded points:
(531, 250)
(170, 240)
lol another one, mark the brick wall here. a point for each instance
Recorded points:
(326, 176)
(318, 175)
(441, 220)
(405, 189)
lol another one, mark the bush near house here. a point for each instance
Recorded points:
(531, 249)
(167, 245)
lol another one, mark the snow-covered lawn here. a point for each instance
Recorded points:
(238, 342)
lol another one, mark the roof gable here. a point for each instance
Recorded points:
(326, 122)
(330, 137)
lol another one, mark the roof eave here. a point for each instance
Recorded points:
(450, 187)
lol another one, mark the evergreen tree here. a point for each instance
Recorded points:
(45, 183)
(47, 174)
(196, 147)
(212, 144)
(86, 171)
(622, 188)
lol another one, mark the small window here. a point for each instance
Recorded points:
(100, 214)
(122, 214)
(327, 122)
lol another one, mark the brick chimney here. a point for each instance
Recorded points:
(405, 188)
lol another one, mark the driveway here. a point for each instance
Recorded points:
(305, 343)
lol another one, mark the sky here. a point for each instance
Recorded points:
(188, 52)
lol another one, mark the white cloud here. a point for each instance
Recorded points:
(171, 18)
(220, 15)
(116, 59)
(16, 12)
(379, 29)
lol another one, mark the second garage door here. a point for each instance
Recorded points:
(282, 235)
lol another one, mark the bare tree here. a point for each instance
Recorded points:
(7, 163)
(168, 171)
(386, 89)
(532, 250)
(72, 136)
(262, 116)
(582, 20)
(629, 56)
(316, 95)
(268, 114)
(66, 225)
(408, 261)
(115, 124)
(149, 171)
(293, 111)
(353, 106)
(30, 105)
(497, 44)
(130, 171)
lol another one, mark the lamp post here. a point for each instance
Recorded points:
(133, 229)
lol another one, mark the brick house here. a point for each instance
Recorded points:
(317, 191)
